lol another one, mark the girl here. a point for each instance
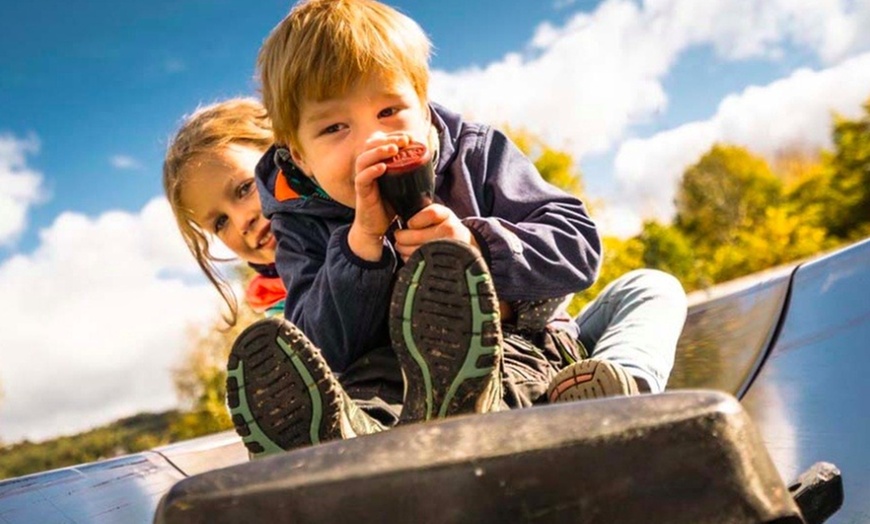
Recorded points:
(208, 177)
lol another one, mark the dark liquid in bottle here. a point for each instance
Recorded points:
(408, 184)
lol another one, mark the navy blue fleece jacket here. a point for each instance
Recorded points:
(539, 241)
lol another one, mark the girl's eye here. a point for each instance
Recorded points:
(390, 111)
(220, 223)
(245, 188)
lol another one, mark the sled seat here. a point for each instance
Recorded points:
(679, 457)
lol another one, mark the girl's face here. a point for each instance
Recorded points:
(220, 191)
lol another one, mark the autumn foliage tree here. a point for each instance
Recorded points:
(737, 214)
(839, 194)
(726, 191)
(200, 378)
(850, 160)
(668, 249)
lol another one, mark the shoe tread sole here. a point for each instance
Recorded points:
(280, 392)
(591, 379)
(444, 327)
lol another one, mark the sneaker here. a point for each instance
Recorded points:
(444, 323)
(282, 395)
(591, 378)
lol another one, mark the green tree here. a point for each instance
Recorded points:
(806, 184)
(200, 379)
(728, 190)
(834, 193)
(665, 247)
(794, 166)
(781, 237)
(740, 217)
(848, 205)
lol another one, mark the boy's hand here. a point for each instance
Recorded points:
(372, 217)
(433, 222)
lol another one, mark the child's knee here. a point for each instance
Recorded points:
(657, 285)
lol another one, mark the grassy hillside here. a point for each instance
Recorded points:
(129, 435)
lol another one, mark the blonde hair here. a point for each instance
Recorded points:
(324, 48)
(210, 130)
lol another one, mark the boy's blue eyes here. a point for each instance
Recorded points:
(335, 128)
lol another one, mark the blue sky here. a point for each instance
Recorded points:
(90, 91)
(98, 80)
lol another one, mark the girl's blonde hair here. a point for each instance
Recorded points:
(324, 48)
(210, 130)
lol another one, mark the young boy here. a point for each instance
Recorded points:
(345, 83)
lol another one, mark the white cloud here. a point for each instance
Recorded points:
(94, 320)
(747, 28)
(20, 186)
(582, 85)
(124, 162)
(794, 112)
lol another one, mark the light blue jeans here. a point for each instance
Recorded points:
(636, 322)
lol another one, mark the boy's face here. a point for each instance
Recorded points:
(220, 191)
(333, 133)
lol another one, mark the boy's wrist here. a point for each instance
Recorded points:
(364, 245)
